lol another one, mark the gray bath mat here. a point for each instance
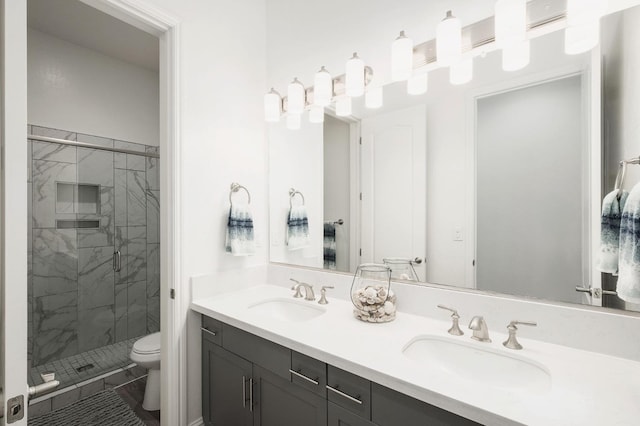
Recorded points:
(104, 408)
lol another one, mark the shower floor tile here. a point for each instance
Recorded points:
(104, 360)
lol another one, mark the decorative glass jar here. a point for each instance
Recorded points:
(401, 268)
(371, 293)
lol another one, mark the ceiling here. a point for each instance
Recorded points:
(80, 24)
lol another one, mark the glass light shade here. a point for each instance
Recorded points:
(322, 88)
(462, 72)
(294, 121)
(418, 84)
(582, 12)
(510, 22)
(295, 97)
(373, 98)
(581, 38)
(272, 106)
(517, 56)
(448, 40)
(316, 114)
(401, 58)
(343, 106)
(354, 78)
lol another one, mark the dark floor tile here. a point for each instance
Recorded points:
(133, 394)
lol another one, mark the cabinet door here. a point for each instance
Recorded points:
(225, 387)
(278, 402)
(338, 416)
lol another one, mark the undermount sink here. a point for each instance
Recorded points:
(482, 365)
(287, 310)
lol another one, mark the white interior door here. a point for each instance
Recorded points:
(393, 186)
(13, 354)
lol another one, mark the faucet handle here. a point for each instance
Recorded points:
(323, 294)
(455, 327)
(512, 342)
(296, 288)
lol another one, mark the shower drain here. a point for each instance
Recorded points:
(84, 368)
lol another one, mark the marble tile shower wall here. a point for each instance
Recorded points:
(76, 300)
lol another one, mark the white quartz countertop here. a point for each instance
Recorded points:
(586, 388)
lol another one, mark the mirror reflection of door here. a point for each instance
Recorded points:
(393, 176)
(529, 159)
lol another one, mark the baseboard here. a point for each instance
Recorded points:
(196, 422)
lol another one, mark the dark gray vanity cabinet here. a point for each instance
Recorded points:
(338, 416)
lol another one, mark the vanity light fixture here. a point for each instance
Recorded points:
(355, 78)
(401, 58)
(272, 106)
(418, 84)
(343, 106)
(517, 56)
(316, 114)
(462, 72)
(322, 88)
(449, 40)
(583, 25)
(510, 22)
(373, 97)
(294, 121)
(296, 97)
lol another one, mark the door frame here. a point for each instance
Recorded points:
(174, 305)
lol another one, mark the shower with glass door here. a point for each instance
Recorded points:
(93, 253)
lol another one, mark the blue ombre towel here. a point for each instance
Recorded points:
(329, 246)
(612, 209)
(628, 287)
(298, 228)
(239, 239)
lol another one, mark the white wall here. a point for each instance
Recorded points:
(337, 184)
(80, 90)
(296, 161)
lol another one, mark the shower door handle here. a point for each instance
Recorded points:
(117, 261)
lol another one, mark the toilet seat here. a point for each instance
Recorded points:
(148, 345)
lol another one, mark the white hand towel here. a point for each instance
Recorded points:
(298, 228)
(629, 266)
(239, 239)
(612, 209)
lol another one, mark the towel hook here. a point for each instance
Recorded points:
(292, 193)
(235, 187)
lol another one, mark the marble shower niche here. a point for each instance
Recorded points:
(84, 205)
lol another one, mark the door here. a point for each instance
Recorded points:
(282, 403)
(226, 383)
(393, 179)
(13, 212)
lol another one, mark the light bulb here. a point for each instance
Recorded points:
(294, 121)
(517, 56)
(295, 97)
(448, 40)
(272, 106)
(343, 106)
(581, 38)
(373, 98)
(510, 22)
(401, 58)
(462, 72)
(322, 88)
(354, 79)
(418, 84)
(316, 114)
(583, 12)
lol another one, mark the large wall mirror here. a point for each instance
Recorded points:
(494, 185)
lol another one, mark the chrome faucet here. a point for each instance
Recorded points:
(480, 330)
(308, 290)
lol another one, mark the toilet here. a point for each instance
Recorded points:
(146, 353)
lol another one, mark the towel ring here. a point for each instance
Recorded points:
(622, 170)
(235, 187)
(292, 193)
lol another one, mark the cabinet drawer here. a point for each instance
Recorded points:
(349, 391)
(338, 416)
(259, 351)
(391, 408)
(211, 330)
(309, 373)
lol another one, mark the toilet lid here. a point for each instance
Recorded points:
(148, 344)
